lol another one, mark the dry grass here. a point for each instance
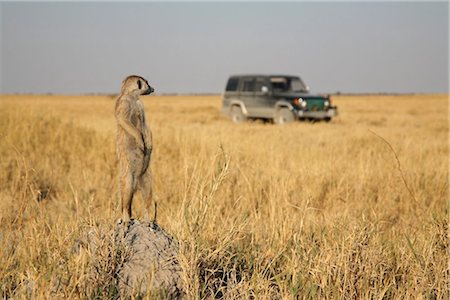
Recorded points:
(261, 211)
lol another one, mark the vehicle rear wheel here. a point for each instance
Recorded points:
(283, 116)
(237, 115)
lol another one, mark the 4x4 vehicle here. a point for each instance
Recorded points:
(282, 98)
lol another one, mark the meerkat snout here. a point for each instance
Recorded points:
(149, 91)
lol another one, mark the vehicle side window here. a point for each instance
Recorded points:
(279, 86)
(248, 85)
(232, 84)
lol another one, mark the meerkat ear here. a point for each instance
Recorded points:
(139, 84)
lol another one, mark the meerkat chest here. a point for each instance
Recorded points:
(137, 114)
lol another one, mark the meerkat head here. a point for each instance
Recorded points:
(136, 85)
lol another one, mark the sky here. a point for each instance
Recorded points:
(193, 47)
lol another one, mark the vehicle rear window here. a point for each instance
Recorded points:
(232, 84)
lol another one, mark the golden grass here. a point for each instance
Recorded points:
(308, 210)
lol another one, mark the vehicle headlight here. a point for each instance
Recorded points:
(326, 103)
(303, 103)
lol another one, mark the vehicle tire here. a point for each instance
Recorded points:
(283, 116)
(237, 115)
(327, 119)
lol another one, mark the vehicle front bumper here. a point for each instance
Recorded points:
(331, 112)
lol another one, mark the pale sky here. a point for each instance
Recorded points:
(192, 47)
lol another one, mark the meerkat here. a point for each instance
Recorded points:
(134, 145)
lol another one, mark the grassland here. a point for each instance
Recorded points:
(352, 209)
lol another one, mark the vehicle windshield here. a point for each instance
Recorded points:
(287, 84)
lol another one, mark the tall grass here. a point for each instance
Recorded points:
(356, 208)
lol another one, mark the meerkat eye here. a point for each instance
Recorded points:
(139, 84)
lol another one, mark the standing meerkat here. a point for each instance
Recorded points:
(134, 145)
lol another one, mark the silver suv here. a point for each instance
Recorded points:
(281, 98)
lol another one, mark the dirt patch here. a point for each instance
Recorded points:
(152, 261)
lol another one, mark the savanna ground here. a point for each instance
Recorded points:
(352, 209)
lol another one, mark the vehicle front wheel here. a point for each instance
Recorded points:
(237, 115)
(283, 116)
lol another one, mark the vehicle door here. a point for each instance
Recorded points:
(247, 95)
(264, 105)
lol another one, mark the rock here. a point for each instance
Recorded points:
(151, 263)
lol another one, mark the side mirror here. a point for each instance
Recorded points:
(307, 89)
(264, 89)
